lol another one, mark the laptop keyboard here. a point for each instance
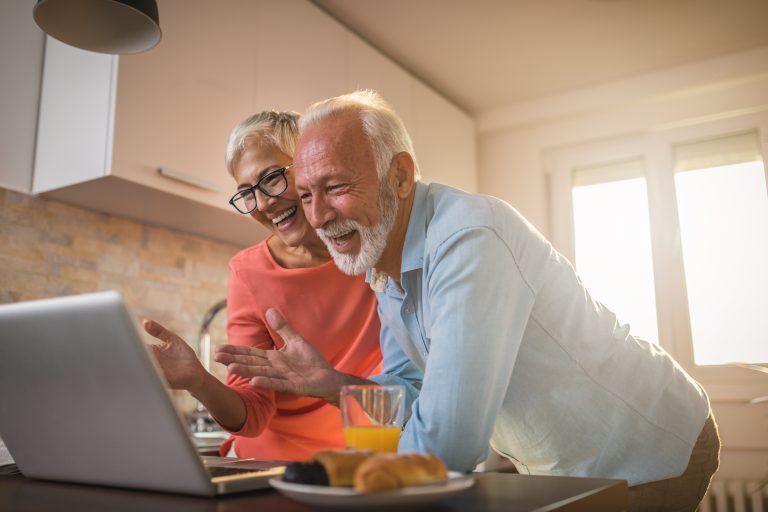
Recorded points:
(9, 470)
(229, 470)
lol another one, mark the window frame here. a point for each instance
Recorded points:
(654, 149)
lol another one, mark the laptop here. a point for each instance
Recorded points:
(82, 400)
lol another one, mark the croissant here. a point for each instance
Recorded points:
(340, 465)
(389, 471)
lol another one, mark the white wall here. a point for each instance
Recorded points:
(21, 64)
(513, 141)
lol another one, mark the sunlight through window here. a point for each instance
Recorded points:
(613, 246)
(724, 230)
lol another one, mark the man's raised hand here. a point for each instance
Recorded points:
(297, 367)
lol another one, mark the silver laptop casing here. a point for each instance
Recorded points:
(81, 400)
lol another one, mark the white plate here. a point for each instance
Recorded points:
(340, 497)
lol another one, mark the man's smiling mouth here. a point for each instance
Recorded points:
(341, 239)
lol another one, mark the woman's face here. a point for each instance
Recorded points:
(282, 215)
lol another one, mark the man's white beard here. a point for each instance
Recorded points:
(373, 239)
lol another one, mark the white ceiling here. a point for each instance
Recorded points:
(486, 54)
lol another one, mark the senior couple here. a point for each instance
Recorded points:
(487, 327)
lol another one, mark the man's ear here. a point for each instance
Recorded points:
(403, 169)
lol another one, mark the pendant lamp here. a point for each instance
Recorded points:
(104, 26)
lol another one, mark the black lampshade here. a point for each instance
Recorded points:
(104, 26)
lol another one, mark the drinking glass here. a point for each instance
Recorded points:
(372, 416)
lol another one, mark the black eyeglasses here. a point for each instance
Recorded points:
(272, 184)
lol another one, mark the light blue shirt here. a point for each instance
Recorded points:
(495, 338)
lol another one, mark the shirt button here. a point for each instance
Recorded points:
(409, 309)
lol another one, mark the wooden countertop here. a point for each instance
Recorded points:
(493, 492)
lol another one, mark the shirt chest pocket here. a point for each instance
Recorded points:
(422, 325)
(415, 314)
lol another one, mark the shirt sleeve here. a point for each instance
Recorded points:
(397, 368)
(479, 306)
(245, 327)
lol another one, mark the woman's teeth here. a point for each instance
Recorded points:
(280, 218)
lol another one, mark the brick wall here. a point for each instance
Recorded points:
(50, 249)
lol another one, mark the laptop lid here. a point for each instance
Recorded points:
(81, 400)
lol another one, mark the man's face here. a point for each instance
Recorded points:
(339, 188)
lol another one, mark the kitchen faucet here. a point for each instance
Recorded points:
(204, 336)
(199, 419)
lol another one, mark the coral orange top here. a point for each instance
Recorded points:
(334, 312)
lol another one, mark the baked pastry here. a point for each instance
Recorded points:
(366, 471)
(330, 467)
(308, 473)
(390, 471)
(340, 465)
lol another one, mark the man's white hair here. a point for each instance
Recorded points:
(385, 130)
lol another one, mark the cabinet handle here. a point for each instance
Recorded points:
(188, 179)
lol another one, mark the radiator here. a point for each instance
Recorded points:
(735, 496)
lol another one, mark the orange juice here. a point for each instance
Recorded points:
(375, 438)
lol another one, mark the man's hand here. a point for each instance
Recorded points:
(297, 368)
(178, 361)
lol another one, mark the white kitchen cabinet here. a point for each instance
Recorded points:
(109, 124)
(21, 61)
(301, 55)
(444, 138)
(369, 69)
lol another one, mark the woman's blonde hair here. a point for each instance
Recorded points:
(267, 128)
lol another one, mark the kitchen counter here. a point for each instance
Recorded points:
(208, 443)
(493, 492)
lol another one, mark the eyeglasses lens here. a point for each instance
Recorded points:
(246, 203)
(272, 185)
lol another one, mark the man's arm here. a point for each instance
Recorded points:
(479, 306)
(397, 368)
(301, 369)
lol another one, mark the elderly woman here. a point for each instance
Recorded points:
(292, 272)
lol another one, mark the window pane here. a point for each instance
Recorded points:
(724, 231)
(613, 251)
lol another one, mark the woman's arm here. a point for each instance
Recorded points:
(183, 370)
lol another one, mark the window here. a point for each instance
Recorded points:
(673, 237)
(613, 242)
(723, 210)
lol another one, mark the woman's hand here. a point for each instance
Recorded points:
(180, 365)
(297, 368)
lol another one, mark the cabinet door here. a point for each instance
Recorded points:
(301, 55)
(369, 69)
(444, 139)
(75, 119)
(176, 104)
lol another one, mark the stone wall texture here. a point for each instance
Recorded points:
(51, 249)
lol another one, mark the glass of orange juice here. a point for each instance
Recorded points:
(372, 416)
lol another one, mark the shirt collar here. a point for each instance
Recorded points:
(415, 237)
(413, 249)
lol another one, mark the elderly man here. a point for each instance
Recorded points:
(487, 326)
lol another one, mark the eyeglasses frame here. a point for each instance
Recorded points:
(257, 186)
